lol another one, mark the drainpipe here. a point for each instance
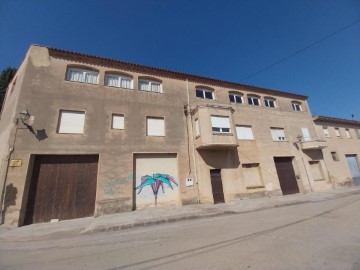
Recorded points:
(191, 135)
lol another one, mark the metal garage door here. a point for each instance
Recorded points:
(286, 175)
(354, 168)
(62, 187)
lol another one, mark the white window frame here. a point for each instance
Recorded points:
(347, 132)
(117, 121)
(204, 91)
(244, 132)
(296, 106)
(235, 97)
(252, 98)
(158, 131)
(268, 101)
(337, 133)
(84, 73)
(326, 132)
(119, 79)
(150, 83)
(197, 128)
(71, 122)
(278, 134)
(219, 124)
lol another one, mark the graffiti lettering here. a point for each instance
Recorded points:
(109, 185)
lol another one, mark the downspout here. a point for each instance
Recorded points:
(191, 135)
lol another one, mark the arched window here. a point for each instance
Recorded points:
(296, 106)
(235, 97)
(84, 75)
(253, 100)
(205, 93)
(118, 80)
(150, 85)
(270, 102)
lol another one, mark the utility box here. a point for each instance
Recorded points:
(189, 182)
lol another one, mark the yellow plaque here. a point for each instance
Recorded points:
(15, 163)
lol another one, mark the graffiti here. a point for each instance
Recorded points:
(109, 185)
(156, 181)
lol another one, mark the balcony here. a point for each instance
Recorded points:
(215, 127)
(312, 143)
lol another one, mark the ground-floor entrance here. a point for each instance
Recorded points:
(286, 175)
(216, 185)
(354, 168)
(62, 187)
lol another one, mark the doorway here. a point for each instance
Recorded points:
(217, 187)
(286, 175)
(354, 168)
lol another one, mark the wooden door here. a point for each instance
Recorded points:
(216, 184)
(286, 175)
(62, 187)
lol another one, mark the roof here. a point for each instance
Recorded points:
(107, 62)
(334, 120)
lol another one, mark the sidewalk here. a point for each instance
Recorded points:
(148, 217)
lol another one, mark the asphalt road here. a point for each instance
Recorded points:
(321, 235)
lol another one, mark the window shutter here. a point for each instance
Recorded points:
(72, 122)
(244, 133)
(155, 126)
(197, 127)
(274, 135)
(118, 121)
(220, 121)
(306, 134)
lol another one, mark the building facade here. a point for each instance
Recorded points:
(82, 135)
(341, 155)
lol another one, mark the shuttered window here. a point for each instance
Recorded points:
(117, 121)
(155, 126)
(326, 132)
(197, 127)
(71, 122)
(278, 134)
(220, 124)
(244, 133)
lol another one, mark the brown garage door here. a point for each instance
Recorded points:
(286, 175)
(62, 187)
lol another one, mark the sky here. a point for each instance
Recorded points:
(311, 47)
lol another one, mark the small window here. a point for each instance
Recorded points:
(197, 127)
(117, 121)
(270, 102)
(220, 124)
(334, 156)
(278, 134)
(235, 98)
(155, 126)
(337, 133)
(326, 132)
(71, 122)
(150, 86)
(244, 133)
(116, 80)
(296, 106)
(253, 100)
(82, 75)
(347, 131)
(204, 93)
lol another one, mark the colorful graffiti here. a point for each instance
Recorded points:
(109, 185)
(156, 181)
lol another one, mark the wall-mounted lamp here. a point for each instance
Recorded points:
(26, 118)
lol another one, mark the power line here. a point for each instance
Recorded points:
(301, 50)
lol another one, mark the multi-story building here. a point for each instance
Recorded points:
(343, 148)
(82, 135)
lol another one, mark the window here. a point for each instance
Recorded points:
(270, 102)
(326, 132)
(334, 156)
(278, 134)
(296, 106)
(82, 75)
(220, 124)
(244, 133)
(71, 122)
(347, 131)
(204, 93)
(235, 98)
(155, 126)
(116, 80)
(337, 133)
(117, 121)
(150, 86)
(358, 133)
(253, 100)
(305, 134)
(197, 128)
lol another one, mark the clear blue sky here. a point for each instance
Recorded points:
(227, 40)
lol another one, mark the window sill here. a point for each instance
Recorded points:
(248, 140)
(281, 141)
(223, 133)
(118, 87)
(82, 82)
(148, 91)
